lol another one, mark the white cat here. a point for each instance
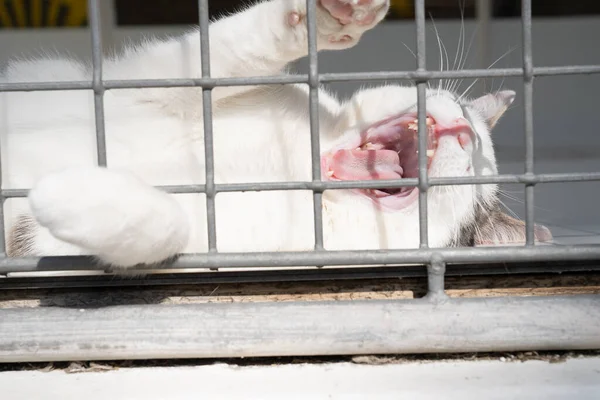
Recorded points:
(261, 134)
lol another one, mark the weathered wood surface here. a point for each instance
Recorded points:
(407, 288)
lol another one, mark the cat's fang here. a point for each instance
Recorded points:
(414, 125)
(430, 153)
(367, 146)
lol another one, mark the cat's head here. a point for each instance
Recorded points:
(380, 142)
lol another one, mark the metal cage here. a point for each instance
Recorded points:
(432, 324)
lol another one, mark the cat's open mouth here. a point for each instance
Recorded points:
(386, 150)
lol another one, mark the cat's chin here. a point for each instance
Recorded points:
(392, 199)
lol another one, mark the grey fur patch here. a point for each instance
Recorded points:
(501, 229)
(467, 233)
(492, 227)
(20, 237)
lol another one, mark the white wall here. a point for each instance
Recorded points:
(565, 117)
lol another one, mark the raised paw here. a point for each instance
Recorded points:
(341, 23)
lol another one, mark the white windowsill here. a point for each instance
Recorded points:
(574, 379)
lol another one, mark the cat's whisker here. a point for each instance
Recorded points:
(510, 197)
(459, 48)
(508, 209)
(521, 201)
(465, 57)
(440, 45)
(409, 49)
(466, 92)
(500, 86)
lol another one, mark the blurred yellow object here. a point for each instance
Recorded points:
(43, 13)
(402, 8)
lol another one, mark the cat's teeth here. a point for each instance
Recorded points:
(430, 153)
(329, 173)
(415, 124)
(368, 146)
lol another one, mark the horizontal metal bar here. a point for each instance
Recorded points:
(520, 178)
(301, 78)
(457, 74)
(155, 83)
(21, 281)
(321, 257)
(566, 70)
(371, 184)
(299, 329)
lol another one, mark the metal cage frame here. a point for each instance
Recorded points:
(219, 330)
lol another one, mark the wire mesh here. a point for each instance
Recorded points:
(435, 258)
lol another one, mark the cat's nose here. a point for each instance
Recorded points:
(460, 127)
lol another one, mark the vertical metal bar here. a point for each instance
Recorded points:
(435, 278)
(108, 20)
(208, 128)
(483, 11)
(313, 82)
(2, 225)
(96, 32)
(421, 104)
(528, 109)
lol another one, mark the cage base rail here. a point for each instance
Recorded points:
(506, 254)
(300, 329)
(296, 275)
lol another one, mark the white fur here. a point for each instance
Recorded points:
(260, 134)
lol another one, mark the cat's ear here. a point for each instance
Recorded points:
(492, 106)
(500, 229)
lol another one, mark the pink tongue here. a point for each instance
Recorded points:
(366, 164)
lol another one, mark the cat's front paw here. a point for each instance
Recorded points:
(341, 23)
